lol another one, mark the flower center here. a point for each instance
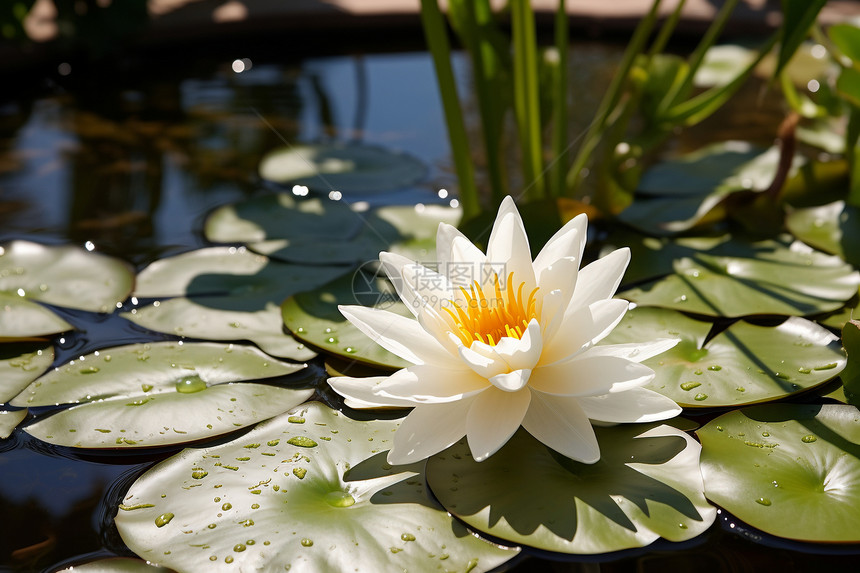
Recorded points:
(489, 319)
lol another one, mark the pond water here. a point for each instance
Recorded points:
(128, 163)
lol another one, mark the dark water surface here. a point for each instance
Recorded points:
(131, 159)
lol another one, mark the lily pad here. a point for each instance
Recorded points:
(226, 293)
(9, 420)
(21, 319)
(282, 216)
(307, 491)
(788, 469)
(346, 168)
(646, 485)
(743, 364)
(769, 278)
(157, 394)
(327, 235)
(834, 228)
(314, 318)
(64, 276)
(20, 364)
(851, 374)
(675, 195)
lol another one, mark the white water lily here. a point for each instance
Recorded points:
(502, 341)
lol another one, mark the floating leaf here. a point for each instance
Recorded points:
(282, 216)
(768, 278)
(21, 318)
(346, 168)
(646, 485)
(851, 374)
(20, 364)
(788, 469)
(64, 276)
(230, 294)
(9, 420)
(741, 365)
(674, 196)
(722, 64)
(158, 394)
(330, 237)
(314, 318)
(307, 491)
(834, 228)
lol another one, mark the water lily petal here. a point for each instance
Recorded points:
(430, 384)
(398, 334)
(483, 362)
(583, 327)
(635, 351)
(493, 418)
(562, 424)
(569, 241)
(600, 279)
(511, 381)
(591, 376)
(560, 275)
(393, 264)
(458, 259)
(359, 392)
(516, 353)
(431, 288)
(633, 405)
(509, 246)
(429, 429)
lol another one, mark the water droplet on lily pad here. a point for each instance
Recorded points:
(190, 384)
(763, 501)
(715, 368)
(700, 396)
(89, 370)
(687, 386)
(808, 439)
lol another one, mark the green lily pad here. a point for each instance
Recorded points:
(157, 394)
(20, 364)
(769, 278)
(334, 239)
(834, 228)
(346, 168)
(64, 276)
(743, 364)
(837, 320)
(314, 318)
(282, 216)
(226, 293)
(646, 485)
(851, 374)
(21, 319)
(722, 64)
(788, 469)
(674, 196)
(652, 257)
(307, 491)
(9, 420)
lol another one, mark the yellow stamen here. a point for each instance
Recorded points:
(487, 320)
